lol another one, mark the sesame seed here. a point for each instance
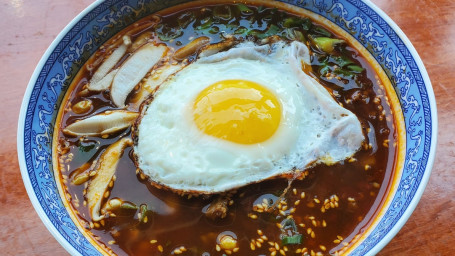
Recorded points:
(282, 252)
(316, 200)
(277, 246)
(322, 247)
(252, 246)
(153, 241)
(313, 235)
(294, 191)
(236, 249)
(336, 241)
(160, 248)
(264, 237)
(217, 248)
(302, 195)
(297, 202)
(177, 251)
(367, 167)
(314, 223)
(111, 242)
(273, 253)
(324, 224)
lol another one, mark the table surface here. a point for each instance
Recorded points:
(28, 27)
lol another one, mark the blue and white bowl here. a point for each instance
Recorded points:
(103, 19)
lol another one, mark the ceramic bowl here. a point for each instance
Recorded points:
(91, 28)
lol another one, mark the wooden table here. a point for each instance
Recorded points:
(27, 28)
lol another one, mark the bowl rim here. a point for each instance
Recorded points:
(374, 250)
(21, 126)
(434, 133)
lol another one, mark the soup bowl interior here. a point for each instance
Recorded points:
(368, 25)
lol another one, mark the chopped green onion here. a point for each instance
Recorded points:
(214, 30)
(244, 9)
(273, 30)
(297, 22)
(205, 23)
(324, 70)
(356, 68)
(167, 34)
(86, 148)
(327, 44)
(292, 22)
(296, 239)
(129, 206)
(321, 31)
(143, 213)
(343, 61)
(294, 34)
(240, 30)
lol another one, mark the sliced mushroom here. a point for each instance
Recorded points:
(193, 47)
(215, 48)
(104, 83)
(108, 64)
(141, 40)
(101, 124)
(157, 77)
(104, 173)
(133, 70)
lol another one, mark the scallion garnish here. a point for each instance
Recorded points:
(296, 239)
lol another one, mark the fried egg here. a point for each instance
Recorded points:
(239, 117)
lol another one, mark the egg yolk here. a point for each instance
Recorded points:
(239, 111)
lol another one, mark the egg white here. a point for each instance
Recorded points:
(172, 151)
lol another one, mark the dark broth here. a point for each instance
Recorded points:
(352, 190)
